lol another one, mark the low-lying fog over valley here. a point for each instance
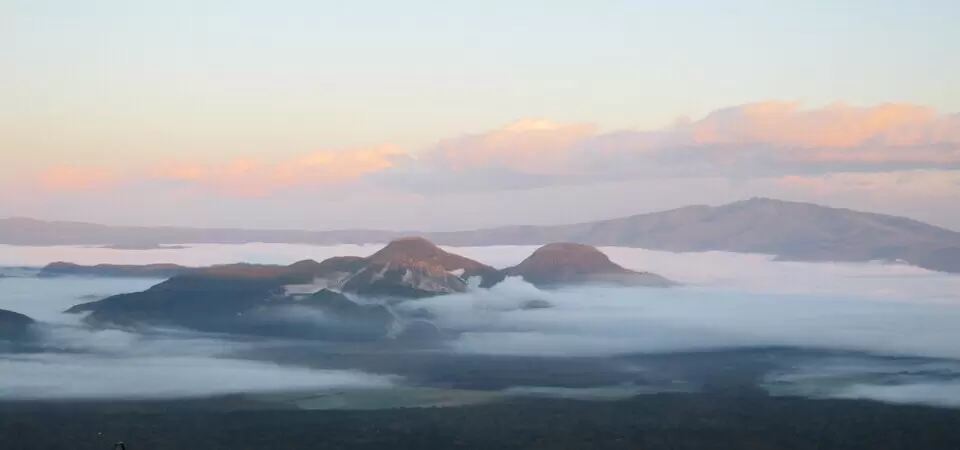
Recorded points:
(877, 331)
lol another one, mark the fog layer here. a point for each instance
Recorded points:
(727, 301)
(84, 363)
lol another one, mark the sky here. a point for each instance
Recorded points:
(451, 115)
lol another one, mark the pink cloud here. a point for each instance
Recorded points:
(760, 140)
(754, 140)
(893, 134)
(178, 171)
(253, 177)
(74, 178)
(835, 126)
(532, 145)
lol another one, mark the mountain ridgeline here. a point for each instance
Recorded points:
(787, 230)
(341, 298)
(58, 269)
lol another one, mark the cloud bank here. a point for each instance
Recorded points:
(254, 177)
(196, 255)
(730, 300)
(892, 158)
(606, 321)
(82, 363)
(766, 139)
(772, 138)
(163, 377)
(903, 315)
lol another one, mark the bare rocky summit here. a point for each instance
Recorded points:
(415, 267)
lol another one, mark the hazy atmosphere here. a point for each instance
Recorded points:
(520, 225)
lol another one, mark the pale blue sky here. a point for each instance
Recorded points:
(357, 73)
(101, 94)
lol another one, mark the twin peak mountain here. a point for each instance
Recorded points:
(256, 299)
(416, 267)
(410, 267)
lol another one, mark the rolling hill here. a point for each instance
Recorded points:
(787, 230)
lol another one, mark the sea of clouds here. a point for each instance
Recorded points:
(727, 301)
(80, 363)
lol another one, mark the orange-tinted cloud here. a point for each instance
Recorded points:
(896, 135)
(760, 140)
(253, 177)
(74, 178)
(532, 145)
(834, 126)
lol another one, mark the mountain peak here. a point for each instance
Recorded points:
(412, 240)
(562, 263)
(568, 251)
(414, 267)
(304, 265)
(569, 257)
(419, 250)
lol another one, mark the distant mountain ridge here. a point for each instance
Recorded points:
(60, 268)
(787, 230)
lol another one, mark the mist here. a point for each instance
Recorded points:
(890, 319)
(96, 377)
(194, 255)
(80, 363)
(587, 321)
(727, 300)
(83, 363)
(896, 323)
